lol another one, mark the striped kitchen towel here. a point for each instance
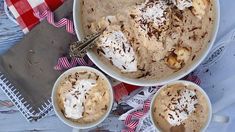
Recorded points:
(24, 11)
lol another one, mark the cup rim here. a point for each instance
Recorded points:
(186, 83)
(60, 114)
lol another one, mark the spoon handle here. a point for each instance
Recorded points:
(80, 48)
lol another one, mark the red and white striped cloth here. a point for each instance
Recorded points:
(64, 63)
(132, 120)
(122, 90)
(24, 11)
(42, 14)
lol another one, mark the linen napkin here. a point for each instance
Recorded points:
(27, 74)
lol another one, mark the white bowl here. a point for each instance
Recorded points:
(144, 82)
(58, 110)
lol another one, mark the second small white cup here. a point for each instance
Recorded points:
(211, 116)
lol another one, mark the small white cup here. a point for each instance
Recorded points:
(211, 116)
(57, 110)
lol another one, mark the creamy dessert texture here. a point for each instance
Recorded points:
(83, 97)
(152, 38)
(180, 108)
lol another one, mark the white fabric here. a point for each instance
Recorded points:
(14, 11)
(35, 3)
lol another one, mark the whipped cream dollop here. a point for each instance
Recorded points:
(74, 100)
(181, 107)
(118, 50)
(152, 11)
(182, 4)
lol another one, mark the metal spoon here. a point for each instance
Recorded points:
(79, 48)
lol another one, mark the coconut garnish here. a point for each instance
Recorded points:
(115, 46)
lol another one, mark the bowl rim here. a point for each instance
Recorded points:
(57, 109)
(153, 82)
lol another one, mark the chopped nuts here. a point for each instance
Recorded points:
(183, 53)
(178, 57)
(199, 8)
(172, 62)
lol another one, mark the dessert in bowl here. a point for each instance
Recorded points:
(148, 42)
(181, 106)
(82, 97)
